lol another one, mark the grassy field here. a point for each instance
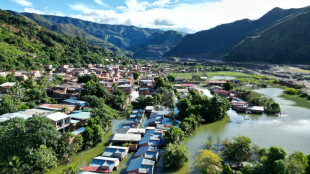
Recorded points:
(85, 157)
(301, 102)
(211, 74)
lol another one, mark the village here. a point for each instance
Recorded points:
(142, 133)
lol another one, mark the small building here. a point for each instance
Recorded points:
(93, 170)
(61, 121)
(149, 141)
(115, 152)
(56, 107)
(222, 93)
(126, 138)
(6, 86)
(148, 152)
(8, 116)
(255, 109)
(216, 82)
(141, 166)
(83, 117)
(127, 88)
(149, 109)
(105, 163)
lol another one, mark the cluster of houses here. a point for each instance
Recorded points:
(108, 75)
(74, 119)
(239, 105)
(143, 139)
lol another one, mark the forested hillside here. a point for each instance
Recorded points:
(287, 43)
(25, 45)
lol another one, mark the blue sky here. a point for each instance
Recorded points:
(182, 15)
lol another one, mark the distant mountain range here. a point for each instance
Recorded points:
(280, 36)
(122, 40)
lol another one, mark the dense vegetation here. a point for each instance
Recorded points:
(121, 39)
(25, 45)
(218, 41)
(285, 43)
(273, 160)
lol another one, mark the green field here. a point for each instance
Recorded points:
(301, 102)
(85, 157)
(211, 74)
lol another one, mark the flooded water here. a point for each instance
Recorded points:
(291, 130)
(222, 78)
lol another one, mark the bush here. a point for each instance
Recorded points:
(303, 94)
(290, 91)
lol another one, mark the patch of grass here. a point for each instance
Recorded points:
(123, 164)
(301, 102)
(85, 157)
(182, 170)
(211, 74)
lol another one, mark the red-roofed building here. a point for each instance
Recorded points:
(188, 84)
(223, 93)
(95, 169)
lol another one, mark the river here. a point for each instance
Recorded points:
(291, 130)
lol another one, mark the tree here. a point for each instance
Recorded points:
(41, 132)
(2, 80)
(10, 77)
(228, 86)
(174, 135)
(175, 155)
(77, 143)
(237, 150)
(274, 154)
(88, 136)
(208, 162)
(297, 162)
(106, 114)
(65, 109)
(171, 78)
(136, 75)
(183, 105)
(86, 78)
(227, 169)
(8, 104)
(42, 158)
(217, 109)
(272, 107)
(188, 125)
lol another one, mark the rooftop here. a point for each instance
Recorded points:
(57, 116)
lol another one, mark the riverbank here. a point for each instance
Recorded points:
(84, 157)
(188, 76)
(300, 102)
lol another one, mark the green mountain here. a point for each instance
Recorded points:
(118, 38)
(218, 41)
(26, 45)
(285, 43)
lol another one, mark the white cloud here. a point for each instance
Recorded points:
(32, 10)
(24, 3)
(99, 2)
(184, 17)
(161, 3)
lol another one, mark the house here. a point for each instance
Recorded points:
(126, 138)
(215, 88)
(149, 109)
(148, 152)
(93, 170)
(83, 117)
(105, 163)
(255, 109)
(149, 141)
(127, 88)
(8, 116)
(56, 107)
(6, 86)
(61, 121)
(216, 82)
(222, 93)
(115, 152)
(141, 166)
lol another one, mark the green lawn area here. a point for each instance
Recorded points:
(301, 102)
(211, 74)
(85, 157)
